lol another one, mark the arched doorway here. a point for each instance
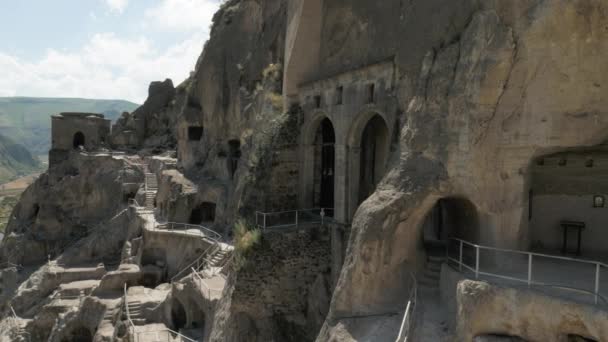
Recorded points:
(324, 165)
(179, 319)
(373, 155)
(451, 217)
(78, 140)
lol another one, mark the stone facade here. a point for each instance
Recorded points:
(71, 130)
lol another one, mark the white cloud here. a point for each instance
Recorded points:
(183, 15)
(117, 6)
(106, 67)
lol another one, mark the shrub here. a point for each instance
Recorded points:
(244, 241)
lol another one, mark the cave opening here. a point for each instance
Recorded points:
(179, 319)
(204, 213)
(79, 334)
(450, 217)
(78, 140)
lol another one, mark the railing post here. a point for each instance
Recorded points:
(476, 262)
(264, 220)
(597, 282)
(257, 224)
(460, 258)
(296, 219)
(529, 270)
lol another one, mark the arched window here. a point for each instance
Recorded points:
(324, 165)
(373, 157)
(78, 140)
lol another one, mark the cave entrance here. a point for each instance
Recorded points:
(450, 218)
(79, 334)
(567, 200)
(373, 155)
(234, 154)
(324, 165)
(204, 213)
(78, 140)
(178, 315)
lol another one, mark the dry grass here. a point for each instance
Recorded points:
(244, 241)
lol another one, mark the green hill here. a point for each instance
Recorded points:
(26, 120)
(15, 160)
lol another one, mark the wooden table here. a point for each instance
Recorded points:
(572, 225)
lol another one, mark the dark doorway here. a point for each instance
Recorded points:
(324, 172)
(78, 140)
(234, 154)
(374, 152)
(80, 334)
(195, 133)
(178, 315)
(204, 213)
(450, 218)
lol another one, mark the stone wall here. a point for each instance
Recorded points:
(94, 127)
(282, 289)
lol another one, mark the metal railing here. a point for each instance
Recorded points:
(174, 226)
(156, 336)
(408, 317)
(531, 268)
(126, 304)
(198, 263)
(73, 242)
(293, 218)
(138, 335)
(202, 283)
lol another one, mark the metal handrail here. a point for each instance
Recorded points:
(144, 333)
(408, 316)
(71, 243)
(203, 283)
(126, 302)
(530, 255)
(262, 222)
(206, 231)
(197, 263)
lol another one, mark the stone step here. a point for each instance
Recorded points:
(435, 259)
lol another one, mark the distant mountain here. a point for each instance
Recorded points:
(15, 160)
(26, 120)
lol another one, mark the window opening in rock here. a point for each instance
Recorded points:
(195, 133)
(78, 140)
(339, 95)
(234, 154)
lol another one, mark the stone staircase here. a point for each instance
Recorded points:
(21, 334)
(217, 259)
(136, 312)
(429, 282)
(151, 189)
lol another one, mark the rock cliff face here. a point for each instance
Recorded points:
(65, 203)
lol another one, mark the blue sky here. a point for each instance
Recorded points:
(99, 48)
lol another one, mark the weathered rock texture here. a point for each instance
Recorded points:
(65, 203)
(280, 293)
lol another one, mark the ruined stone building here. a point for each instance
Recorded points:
(423, 170)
